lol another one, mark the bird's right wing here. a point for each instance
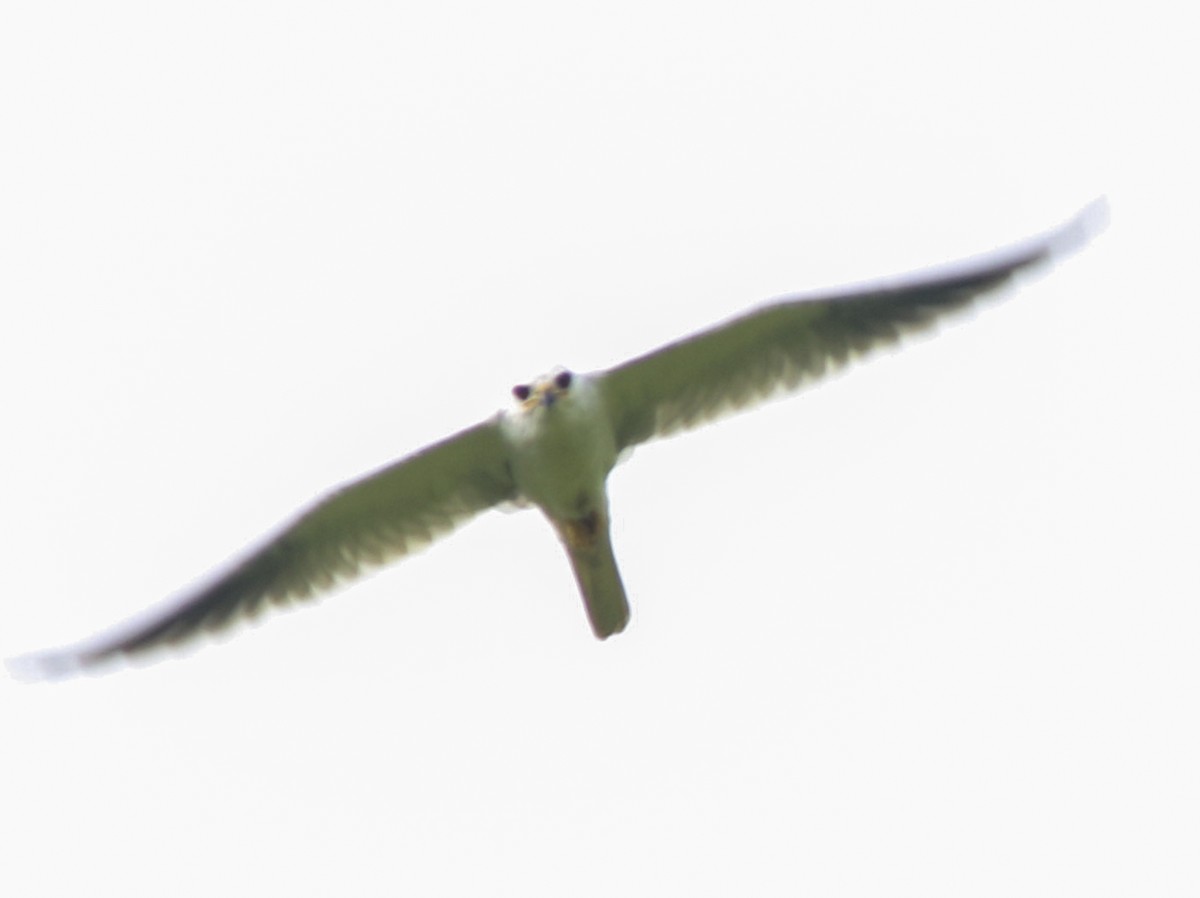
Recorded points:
(783, 346)
(376, 519)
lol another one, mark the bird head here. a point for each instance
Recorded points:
(544, 391)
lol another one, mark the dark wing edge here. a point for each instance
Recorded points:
(790, 342)
(366, 523)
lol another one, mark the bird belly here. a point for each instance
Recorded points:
(561, 456)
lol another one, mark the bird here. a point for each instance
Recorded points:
(557, 442)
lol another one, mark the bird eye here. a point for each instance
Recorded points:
(562, 380)
(522, 391)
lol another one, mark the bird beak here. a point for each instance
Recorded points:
(548, 397)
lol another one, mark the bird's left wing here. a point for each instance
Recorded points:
(785, 345)
(368, 522)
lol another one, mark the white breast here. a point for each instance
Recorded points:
(561, 453)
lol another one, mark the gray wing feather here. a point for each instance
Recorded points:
(376, 519)
(785, 345)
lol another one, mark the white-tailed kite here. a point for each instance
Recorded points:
(555, 446)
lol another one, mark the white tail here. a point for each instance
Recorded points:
(590, 550)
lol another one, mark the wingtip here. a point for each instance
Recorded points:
(1088, 223)
(66, 662)
(45, 667)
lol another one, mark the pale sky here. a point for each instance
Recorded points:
(927, 629)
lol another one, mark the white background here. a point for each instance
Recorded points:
(929, 629)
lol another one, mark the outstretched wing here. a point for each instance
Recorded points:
(379, 518)
(785, 345)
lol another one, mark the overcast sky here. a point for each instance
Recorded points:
(927, 629)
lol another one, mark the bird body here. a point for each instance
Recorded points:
(561, 448)
(556, 444)
(561, 445)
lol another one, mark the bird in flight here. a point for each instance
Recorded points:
(556, 444)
